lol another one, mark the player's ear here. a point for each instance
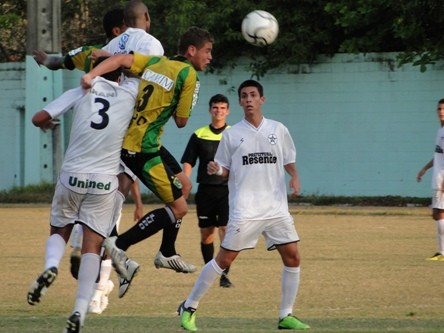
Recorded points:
(192, 50)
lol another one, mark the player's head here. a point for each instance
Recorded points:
(113, 23)
(250, 83)
(440, 111)
(111, 76)
(219, 98)
(136, 15)
(196, 45)
(219, 109)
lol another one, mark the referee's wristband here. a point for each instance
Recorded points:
(219, 172)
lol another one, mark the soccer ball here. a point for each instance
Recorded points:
(260, 28)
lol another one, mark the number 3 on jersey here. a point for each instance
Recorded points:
(138, 116)
(102, 113)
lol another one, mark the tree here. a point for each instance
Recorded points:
(308, 28)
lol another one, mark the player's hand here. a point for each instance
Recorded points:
(420, 174)
(86, 81)
(40, 57)
(295, 187)
(138, 213)
(212, 168)
(50, 124)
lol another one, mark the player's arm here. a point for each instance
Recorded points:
(45, 119)
(137, 197)
(51, 62)
(187, 169)
(294, 184)
(187, 98)
(424, 170)
(109, 65)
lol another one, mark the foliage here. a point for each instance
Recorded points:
(308, 28)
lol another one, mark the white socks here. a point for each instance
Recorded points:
(105, 272)
(440, 235)
(77, 236)
(88, 271)
(55, 248)
(289, 289)
(210, 272)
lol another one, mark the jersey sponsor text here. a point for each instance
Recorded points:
(259, 158)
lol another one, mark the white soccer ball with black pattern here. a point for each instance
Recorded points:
(260, 28)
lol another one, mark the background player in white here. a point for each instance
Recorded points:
(86, 190)
(254, 154)
(437, 162)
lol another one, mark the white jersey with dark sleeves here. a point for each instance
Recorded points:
(256, 158)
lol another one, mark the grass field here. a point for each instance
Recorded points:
(363, 270)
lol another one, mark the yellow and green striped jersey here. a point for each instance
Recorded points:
(167, 87)
(79, 58)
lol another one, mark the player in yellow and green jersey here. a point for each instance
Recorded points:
(168, 88)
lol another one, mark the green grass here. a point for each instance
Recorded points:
(363, 270)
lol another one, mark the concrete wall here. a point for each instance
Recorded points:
(361, 125)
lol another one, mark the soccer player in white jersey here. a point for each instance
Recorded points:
(136, 37)
(437, 162)
(86, 190)
(254, 154)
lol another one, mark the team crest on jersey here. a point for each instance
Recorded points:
(272, 139)
(122, 41)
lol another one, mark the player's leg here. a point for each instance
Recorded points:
(63, 215)
(438, 216)
(161, 180)
(281, 234)
(126, 179)
(209, 273)
(221, 212)
(76, 244)
(96, 214)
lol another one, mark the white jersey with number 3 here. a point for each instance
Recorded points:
(100, 121)
(256, 158)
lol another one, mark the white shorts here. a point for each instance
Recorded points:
(124, 169)
(242, 235)
(93, 210)
(438, 199)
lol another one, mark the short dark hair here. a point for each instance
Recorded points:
(112, 19)
(441, 101)
(193, 36)
(133, 10)
(219, 98)
(251, 83)
(111, 76)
